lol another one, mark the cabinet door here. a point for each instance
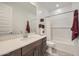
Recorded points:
(32, 49)
(37, 51)
(14, 53)
(28, 50)
(44, 46)
(40, 49)
(28, 53)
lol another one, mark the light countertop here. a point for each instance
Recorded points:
(13, 44)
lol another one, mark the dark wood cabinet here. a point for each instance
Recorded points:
(37, 48)
(32, 49)
(14, 53)
(44, 46)
(27, 50)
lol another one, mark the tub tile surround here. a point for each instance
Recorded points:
(64, 46)
(63, 43)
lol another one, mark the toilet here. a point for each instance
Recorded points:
(51, 46)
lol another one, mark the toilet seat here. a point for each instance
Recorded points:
(50, 44)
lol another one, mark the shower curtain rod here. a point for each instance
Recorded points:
(59, 14)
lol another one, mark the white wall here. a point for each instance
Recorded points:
(20, 16)
(41, 13)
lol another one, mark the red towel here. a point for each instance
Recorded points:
(28, 27)
(75, 29)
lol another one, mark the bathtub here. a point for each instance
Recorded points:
(63, 48)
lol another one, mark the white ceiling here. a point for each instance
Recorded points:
(50, 6)
(25, 5)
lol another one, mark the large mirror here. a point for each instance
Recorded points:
(14, 16)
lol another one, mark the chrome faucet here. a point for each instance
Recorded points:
(25, 34)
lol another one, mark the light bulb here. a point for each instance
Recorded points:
(57, 5)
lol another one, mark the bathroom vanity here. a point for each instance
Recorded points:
(34, 45)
